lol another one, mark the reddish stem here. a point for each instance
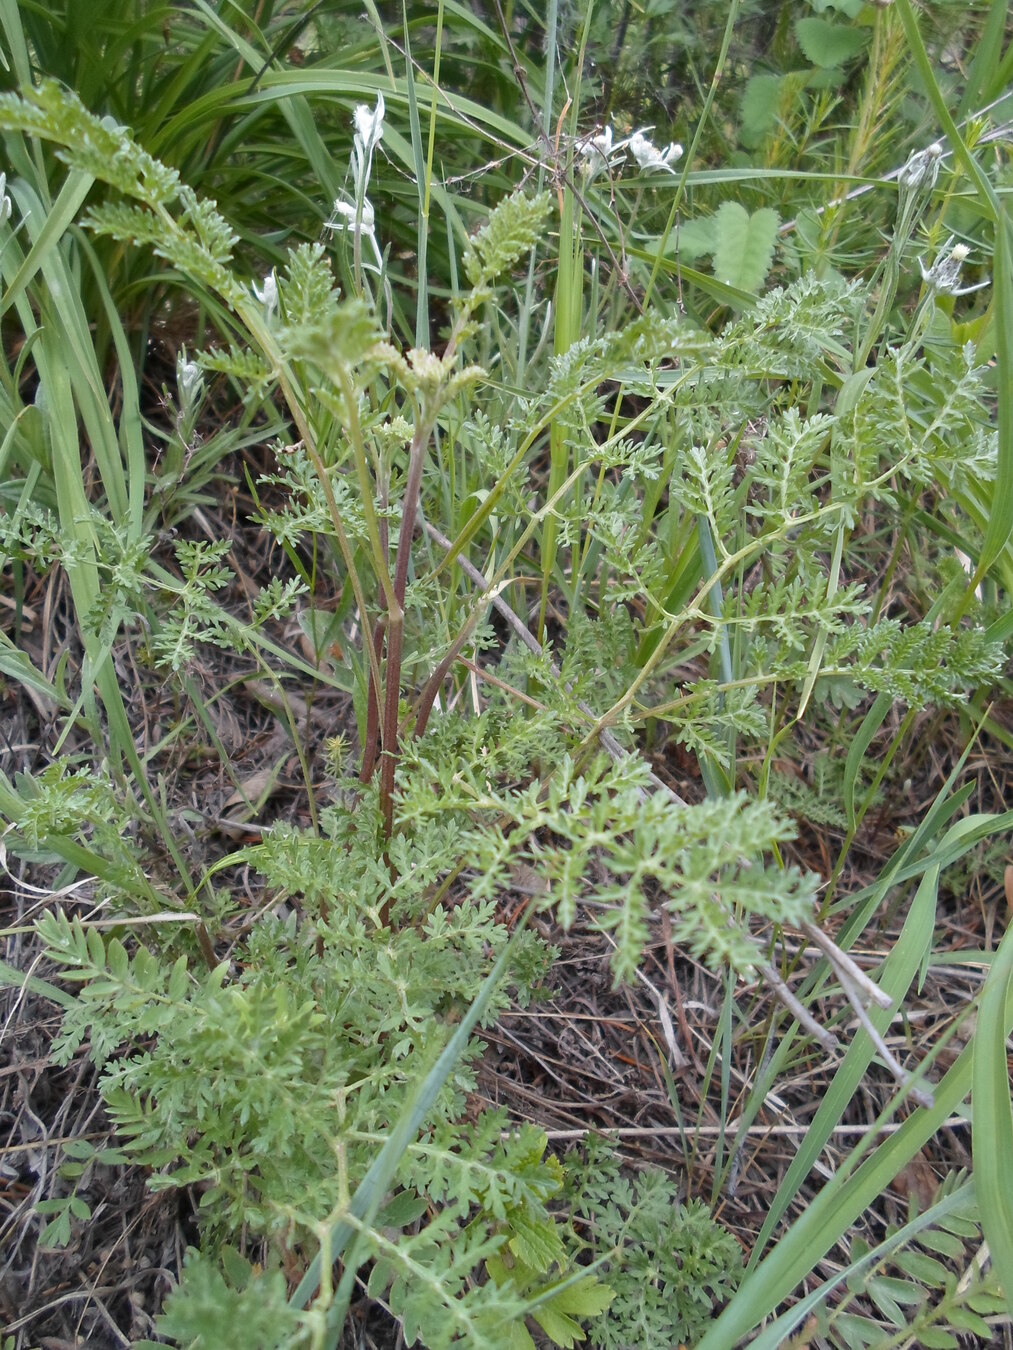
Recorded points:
(395, 625)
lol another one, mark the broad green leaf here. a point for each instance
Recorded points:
(561, 1329)
(758, 110)
(96, 948)
(745, 245)
(692, 240)
(587, 1298)
(935, 1338)
(119, 962)
(536, 1242)
(178, 981)
(964, 1319)
(828, 44)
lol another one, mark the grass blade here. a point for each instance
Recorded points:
(898, 971)
(834, 1210)
(992, 1119)
(1000, 516)
(981, 86)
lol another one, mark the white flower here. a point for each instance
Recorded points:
(5, 201)
(344, 217)
(369, 125)
(649, 157)
(189, 380)
(943, 276)
(921, 169)
(268, 294)
(600, 155)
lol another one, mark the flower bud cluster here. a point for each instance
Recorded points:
(189, 383)
(921, 169)
(601, 154)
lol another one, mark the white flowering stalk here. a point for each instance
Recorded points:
(600, 155)
(915, 180)
(649, 158)
(361, 223)
(368, 135)
(347, 218)
(6, 210)
(189, 383)
(358, 217)
(190, 395)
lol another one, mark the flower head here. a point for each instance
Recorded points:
(369, 125)
(600, 155)
(943, 276)
(5, 202)
(267, 294)
(649, 157)
(921, 169)
(344, 217)
(189, 380)
(368, 134)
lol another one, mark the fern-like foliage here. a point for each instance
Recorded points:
(703, 520)
(96, 145)
(601, 837)
(669, 1265)
(223, 1096)
(511, 232)
(214, 1297)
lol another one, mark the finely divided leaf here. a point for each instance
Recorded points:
(512, 230)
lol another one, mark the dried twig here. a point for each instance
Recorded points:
(901, 1074)
(797, 1009)
(847, 971)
